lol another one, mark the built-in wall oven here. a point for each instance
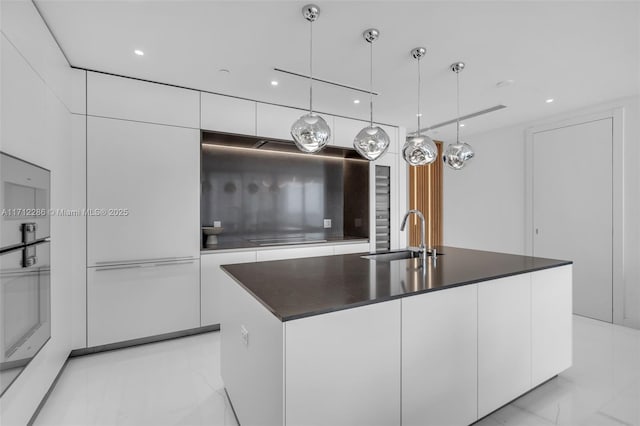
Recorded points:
(25, 269)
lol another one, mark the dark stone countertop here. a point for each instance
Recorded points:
(298, 288)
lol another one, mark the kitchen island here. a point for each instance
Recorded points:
(351, 340)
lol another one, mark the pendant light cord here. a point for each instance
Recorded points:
(371, 83)
(419, 84)
(310, 67)
(458, 107)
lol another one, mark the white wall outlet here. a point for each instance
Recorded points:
(327, 223)
(245, 335)
(217, 224)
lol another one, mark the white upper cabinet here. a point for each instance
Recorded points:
(227, 114)
(393, 137)
(129, 99)
(274, 121)
(147, 178)
(346, 129)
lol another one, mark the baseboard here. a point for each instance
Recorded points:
(143, 340)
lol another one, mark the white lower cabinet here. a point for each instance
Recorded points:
(439, 358)
(343, 368)
(132, 301)
(210, 278)
(504, 341)
(351, 248)
(294, 253)
(551, 299)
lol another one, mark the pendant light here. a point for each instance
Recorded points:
(372, 141)
(310, 132)
(419, 149)
(456, 155)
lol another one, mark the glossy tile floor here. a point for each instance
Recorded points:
(178, 383)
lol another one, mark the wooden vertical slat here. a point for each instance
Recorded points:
(425, 194)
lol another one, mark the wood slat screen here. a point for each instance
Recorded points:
(425, 194)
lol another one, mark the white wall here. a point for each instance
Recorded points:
(484, 204)
(35, 126)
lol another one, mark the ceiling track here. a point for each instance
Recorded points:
(319, 80)
(464, 117)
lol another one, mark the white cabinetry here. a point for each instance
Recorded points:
(504, 341)
(294, 253)
(345, 130)
(551, 326)
(129, 99)
(211, 277)
(139, 300)
(151, 170)
(343, 368)
(227, 114)
(351, 248)
(439, 358)
(275, 121)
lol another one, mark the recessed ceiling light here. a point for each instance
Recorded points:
(356, 101)
(461, 124)
(138, 52)
(224, 71)
(550, 100)
(418, 115)
(274, 83)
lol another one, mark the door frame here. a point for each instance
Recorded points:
(616, 114)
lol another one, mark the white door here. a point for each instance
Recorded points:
(572, 209)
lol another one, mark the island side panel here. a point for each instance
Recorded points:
(439, 357)
(552, 322)
(251, 368)
(343, 368)
(504, 341)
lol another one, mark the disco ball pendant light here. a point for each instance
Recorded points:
(372, 141)
(310, 132)
(419, 149)
(457, 154)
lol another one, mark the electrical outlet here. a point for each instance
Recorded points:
(217, 224)
(327, 223)
(245, 335)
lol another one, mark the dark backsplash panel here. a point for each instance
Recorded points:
(258, 193)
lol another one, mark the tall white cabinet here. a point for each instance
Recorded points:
(143, 175)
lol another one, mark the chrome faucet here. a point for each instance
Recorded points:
(422, 249)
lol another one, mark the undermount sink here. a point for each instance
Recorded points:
(394, 255)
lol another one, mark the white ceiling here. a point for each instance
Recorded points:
(579, 53)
